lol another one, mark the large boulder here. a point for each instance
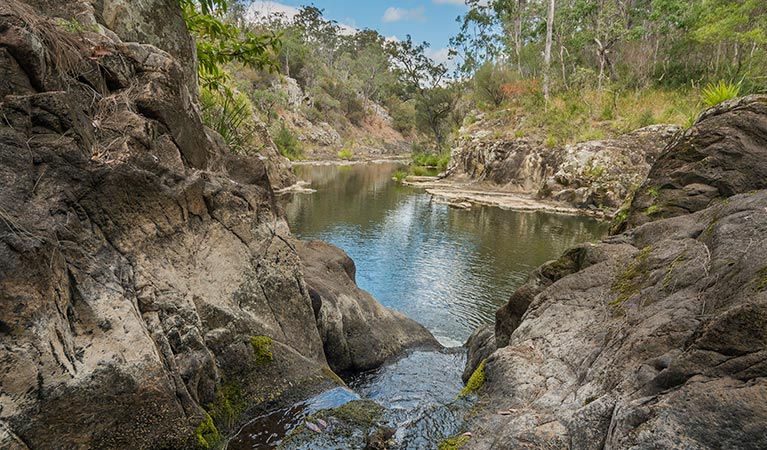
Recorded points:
(650, 339)
(358, 333)
(724, 153)
(658, 342)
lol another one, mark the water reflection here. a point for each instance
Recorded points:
(448, 269)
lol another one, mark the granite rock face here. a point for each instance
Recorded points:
(724, 153)
(151, 294)
(358, 333)
(589, 175)
(654, 338)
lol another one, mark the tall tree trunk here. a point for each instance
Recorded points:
(547, 52)
(518, 34)
(562, 50)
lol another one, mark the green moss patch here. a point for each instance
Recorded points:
(674, 264)
(760, 282)
(207, 434)
(359, 413)
(453, 443)
(652, 210)
(262, 348)
(626, 284)
(476, 381)
(229, 406)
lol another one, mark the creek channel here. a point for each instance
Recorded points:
(449, 269)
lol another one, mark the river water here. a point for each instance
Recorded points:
(449, 269)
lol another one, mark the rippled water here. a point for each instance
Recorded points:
(419, 393)
(448, 269)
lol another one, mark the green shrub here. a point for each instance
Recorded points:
(288, 144)
(346, 152)
(229, 113)
(399, 175)
(438, 160)
(402, 114)
(714, 94)
(420, 171)
(551, 141)
(646, 119)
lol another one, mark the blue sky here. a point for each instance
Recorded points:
(432, 21)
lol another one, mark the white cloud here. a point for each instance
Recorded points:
(264, 8)
(459, 2)
(393, 14)
(268, 8)
(442, 56)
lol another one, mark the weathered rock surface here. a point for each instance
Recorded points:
(723, 154)
(589, 175)
(151, 295)
(358, 333)
(604, 173)
(370, 137)
(656, 338)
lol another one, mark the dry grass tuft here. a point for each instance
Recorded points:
(65, 51)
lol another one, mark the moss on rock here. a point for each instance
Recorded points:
(760, 282)
(262, 348)
(626, 284)
(476, 381)
(208, 436)
(229, 406)
(453, 443)
(361, 413)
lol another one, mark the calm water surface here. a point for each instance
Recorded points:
(448, 269)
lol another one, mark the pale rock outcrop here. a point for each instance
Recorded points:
(596, 175)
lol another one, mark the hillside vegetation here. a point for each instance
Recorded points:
(579, 70)
(561, 71)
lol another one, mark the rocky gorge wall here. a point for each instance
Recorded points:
(653, 338)
(593, 175)
(151, 294)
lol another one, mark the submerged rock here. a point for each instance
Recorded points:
(356, 425)
(655, 338)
